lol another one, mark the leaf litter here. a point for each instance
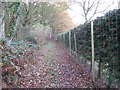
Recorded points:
(54, 69)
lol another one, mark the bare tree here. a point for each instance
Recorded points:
(2, 31)
(119, 5)
(92, 7)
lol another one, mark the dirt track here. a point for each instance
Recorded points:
(54, 69)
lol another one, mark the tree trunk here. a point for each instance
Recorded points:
(2, 24)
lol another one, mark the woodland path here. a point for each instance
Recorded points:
(54, 69)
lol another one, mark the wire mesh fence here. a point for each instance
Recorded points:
(106, 41)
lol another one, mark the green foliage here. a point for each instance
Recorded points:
(12, 12)
(106, 40)
(13, 58)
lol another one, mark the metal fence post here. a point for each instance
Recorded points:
(92, 44)
(64, 40)
(70, 41)
(75, 44)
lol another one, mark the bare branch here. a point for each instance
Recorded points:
(88, 6)
(95, 10)
(105, 8)
(77, 12)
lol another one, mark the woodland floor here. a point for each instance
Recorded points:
(54, 69)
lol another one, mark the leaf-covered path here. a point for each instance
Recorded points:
(54, 69)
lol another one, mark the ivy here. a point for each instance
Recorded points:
(106, 36)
